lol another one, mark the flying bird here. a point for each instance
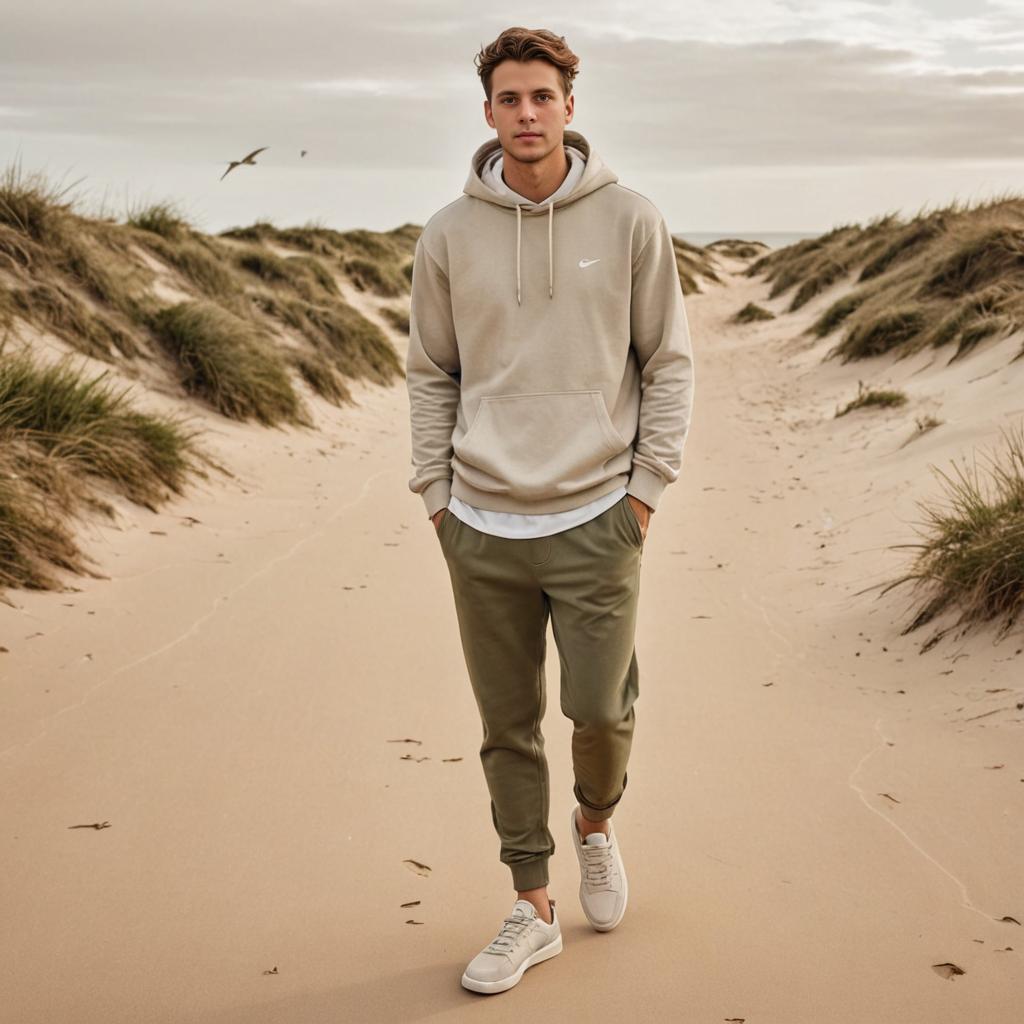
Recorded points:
(304, 152)
(245, 160)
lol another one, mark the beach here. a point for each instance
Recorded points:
(266, 711)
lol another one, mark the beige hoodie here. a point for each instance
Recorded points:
(549, 356)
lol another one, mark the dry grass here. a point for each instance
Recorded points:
(751, 313)
(878, 397)
(693, 262)
(60, 433)
(971, 555)
(258, 318)
(950, 277)
(224, 360)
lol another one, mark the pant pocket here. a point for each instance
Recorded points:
(638, 533)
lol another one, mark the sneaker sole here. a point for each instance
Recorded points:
(553, 948)
(601, 926)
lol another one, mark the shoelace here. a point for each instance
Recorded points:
(597, 864)
(511, 932)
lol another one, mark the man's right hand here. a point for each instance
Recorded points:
(437, 517)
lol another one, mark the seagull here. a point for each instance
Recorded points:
(245, 160)
(304, 152)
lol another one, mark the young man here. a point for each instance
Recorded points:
(550, 383)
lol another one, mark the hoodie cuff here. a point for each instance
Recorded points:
(646, 486)
(436, 495)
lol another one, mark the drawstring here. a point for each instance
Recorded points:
(519, 249)
(551, 262)
(519, 239)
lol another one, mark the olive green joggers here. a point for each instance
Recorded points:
(587, 579)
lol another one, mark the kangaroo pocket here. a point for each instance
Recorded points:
(538, 445)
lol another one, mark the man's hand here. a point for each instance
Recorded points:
(642, 512)
(437, 517)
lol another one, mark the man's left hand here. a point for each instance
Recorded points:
(642, 512)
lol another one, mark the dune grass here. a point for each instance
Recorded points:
(229, 363)
(321, 376)
(971, 552)
(259, 318)
(397, 316)
(751, 313)
(949, 277)
(693, 262)
(379, 262)
(60, 433)
(737, 248)
(164, 219)
(878, 397)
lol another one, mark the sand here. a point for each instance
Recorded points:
(817, 812)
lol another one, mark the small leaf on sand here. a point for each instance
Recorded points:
(888, 797)
(95, 824)
(416, 866)
(451, 759)
(409, 757)
(405, 741)
(948, 970)
(1009, 920)
(274, 971)
(411, 921)
(414, 903)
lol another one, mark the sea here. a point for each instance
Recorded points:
(776, 239)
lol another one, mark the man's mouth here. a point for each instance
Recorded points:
(528, 135)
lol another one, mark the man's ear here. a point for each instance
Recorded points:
(488, 116)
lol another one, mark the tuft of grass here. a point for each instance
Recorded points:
(34, 206)
(33, 535)
(838, 312)
(992, 255)
(59, 310)
(375, 276)
(92, 428)
(321, 376)
(397, 316)
(909, 240)
(881, 334)
(356, 346)
(971, 553)
(737, 248)
(225, 360)
(265, 265)
(164, 219)
(825, 275)
(202, 266)
(693, 262)
(883, 398)
(752, 312)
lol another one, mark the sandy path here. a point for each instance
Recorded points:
(226, 698)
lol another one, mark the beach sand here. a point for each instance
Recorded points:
(817, 812)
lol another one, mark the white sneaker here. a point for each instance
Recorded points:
(603, 888)
(524, 940)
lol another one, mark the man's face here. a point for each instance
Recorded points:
(527, 108)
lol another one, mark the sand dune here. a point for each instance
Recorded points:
(818, 813)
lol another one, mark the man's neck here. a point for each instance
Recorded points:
(538, 180)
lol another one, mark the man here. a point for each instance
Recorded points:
(550, 382)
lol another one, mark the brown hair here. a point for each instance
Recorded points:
(528, 44)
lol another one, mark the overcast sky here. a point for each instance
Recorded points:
(732, 115)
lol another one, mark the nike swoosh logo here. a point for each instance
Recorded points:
(586, 263)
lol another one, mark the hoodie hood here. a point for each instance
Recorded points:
(483, 183)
